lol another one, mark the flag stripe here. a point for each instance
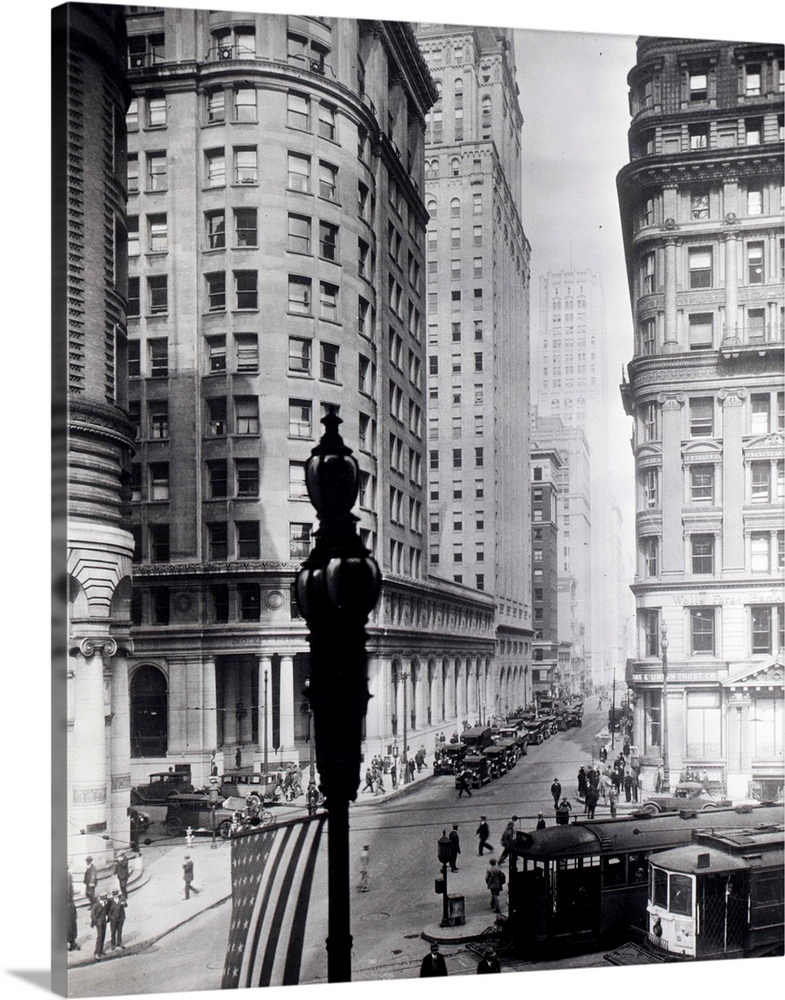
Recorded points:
(272, 874)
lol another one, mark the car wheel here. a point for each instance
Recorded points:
(173, 826)
(266, 817)
(225, 829)
(708, 807)
(651, 808)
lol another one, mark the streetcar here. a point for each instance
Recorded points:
(584, 884)
(720, 896)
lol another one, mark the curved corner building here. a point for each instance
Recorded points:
(702, 213)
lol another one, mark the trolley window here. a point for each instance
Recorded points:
(613, 873)
(681, 895)
(658, 892)
(637, 869)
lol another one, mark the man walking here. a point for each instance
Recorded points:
(90, 881)
(483, 832)
(488, 963)
(188, 876)
(433, 964)
(591, 800)
(456, 847)
(121, 871)
(508, 840)
(556, 792)
(116, 914)
(365, 860)
(495, 879)
(465, 783)
(72, 924)
(98, 914)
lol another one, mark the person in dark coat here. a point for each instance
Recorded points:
(540, 821)
(465, 783)
(116, 914)
(488, 963)
(592, 798)
(73, 929)
(582, 782)
(433, 964)
(188, 876)
(495, 879)
(98, 915)
(556, 792)
(628, 787)
(412, 769)
(483, 832)
(563, 813)
(121, 871)
(456, 847)
(90, 881)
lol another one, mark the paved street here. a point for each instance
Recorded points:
(387, 922)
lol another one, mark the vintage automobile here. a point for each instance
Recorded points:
(517, 736)
(238, 784)
(573, 719)
(686, 795)
(497, 758)
(477, 737)
(535, 731)
(195, 811)
(140, 823)
(448, 757)
(511, 751)
(161, 786)
(480, 768)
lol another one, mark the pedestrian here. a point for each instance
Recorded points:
(603, 754)
(394, 773)
(433, 964)
(592, 798)
(238, 758)
(507, 841)
(73, 929)
(455, 840)
(368, 786)
(488, 963)
(613, 798)
(213, 764)
(495, 879)
(628, 787)
(563, 813)
(540, 821)
(660, 779)
(635, 783)
(483, 832)
(582, 782)
(116, 915)
(378, 779)
(365, 860)
(188, 876)
(90, 880)
(98, 914)
(604, 785)
(412, 768)
(121, 871)
(419, 759)
(465, 783)
(556, 792)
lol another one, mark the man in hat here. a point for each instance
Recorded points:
(556, 792)
(488, 963)
(98, 914)
(188, 876)
(455, 841)
(90, 880)
(117, 905)
(121, 871)
(365, 859)
(433, 964)
(540, 821)
(483, 832)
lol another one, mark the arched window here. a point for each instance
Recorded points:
(455, 208)
(458, 93)
(455, 166)
(434, 168)
(149, 713)
(431, 206)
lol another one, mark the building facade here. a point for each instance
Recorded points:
(477, 326)
(90, 234)
(702, 214)
(546, 670)
(276, 242)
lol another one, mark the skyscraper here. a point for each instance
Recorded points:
(702, 214)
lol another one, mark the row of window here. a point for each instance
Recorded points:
(702, 202)
(242, 602)
(766, 553)
(432, 169)
(457, 458)
(699, 85)
(244, 537)
(724, 134)
(455, 363)
(764, 414)
(757, 327)
(701, 270)
(457, 490)
(764, 484)
(455, 238)
(766, 630)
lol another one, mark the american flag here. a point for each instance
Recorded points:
(272, 873)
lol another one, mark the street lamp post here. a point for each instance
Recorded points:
(265, 730)
(613, 710)
(444, 847)
(666, 776)
(336, 589)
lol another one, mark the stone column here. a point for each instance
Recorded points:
(732, 481)
(209, 705)
(178, 706)
(265, 703)
(231, 692)
(672, 484)
(87, 751)
(731, 331)
(471, 691)
(286, 709)
(670, 343)
(120, 749)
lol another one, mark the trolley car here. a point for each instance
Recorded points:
(720, 896)
(582, 885)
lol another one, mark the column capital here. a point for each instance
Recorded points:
(671, 400)
(732, 397)
(90, 645)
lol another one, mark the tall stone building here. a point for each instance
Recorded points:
(89, 255)
(276, 240)
(477, 325)
(702, 214)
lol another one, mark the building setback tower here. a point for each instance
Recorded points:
(702, 213)
(276, 238)
(90, 234)
(477, 322)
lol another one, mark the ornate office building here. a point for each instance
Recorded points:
(90, 235)
(477, 326)
(702, 214)
(276, 240)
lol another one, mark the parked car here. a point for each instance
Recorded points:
(160, 786)
(194, 811)
(535, 731)
(478, 737)
(448, 757)
(686, 795)
(238, 784)
(140, 823)
(510, 748)
(480, 768)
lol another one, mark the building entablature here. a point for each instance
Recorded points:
(767, 676)
(683, 674)
(710, 368)
(700, 452)
(696, 521)
(767, 446)
(426, 646)
(714, 593)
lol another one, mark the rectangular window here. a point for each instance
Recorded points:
(700, 267)
(132, 115)
(216, 354)
(299, 540)
(699, 204)
(246, 291)
(755, 202)
(752, 80)
(158, 294)
(702, 554)
(245, 231)
(328, 301)
(132, 182)
(159, 597)
(761, 482)
(759, 552)
(217, 484)
(300, 418)
(216, 107)
(247, 539)
(701, 417)
(215, 223)
(704, 724)
(702, 630)
(699, 136)
(651, 493)
(760, 407)
(649, 336)
(216, 416)
(651, 632)
(159, 542)
(297, 487)
(756, 326)
(157, 234)
(216, 291)
(245, 104)
(246, 347)
(701, 331)
(698, 87)
(328, 181)
(159, 481)
(299, 356)
(651, 550)
(246, 414)
(753, 131)
(299, 173)
(250, 602)
(329, 362)
(219, 594)
(762, 632)
(247, 472)
(299, 295)
(158, 412)
(216, 167)
(299, 236)
(245, 168)
(647, 283)
(298, 112)
(478, 361)
(702, 484)
(755, 263)
(156, 172)
(327, 121)
(328, 241)
(132, 227)
(156, 111)
(651, 422)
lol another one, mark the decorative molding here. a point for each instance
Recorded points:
(105, 645)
